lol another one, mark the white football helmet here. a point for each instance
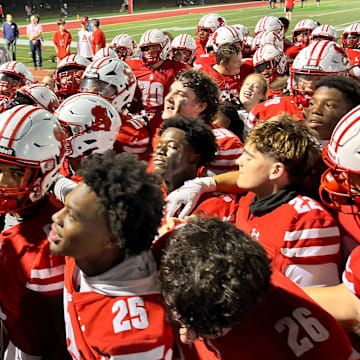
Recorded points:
(324, 32)
(244, 31)
(105, 52)
(113, 79)
(342, 155)
(320, 58)
(183, 42)
(350, 38)
(208, 24)
(67, 76)
(14, 74)
(91, 122)
(33, 139)
(125, 46)
(38, 96)
(302, 31)
(209, 47)
(226, 35)
(154, 37)
(270, 23)
(269, 61)
(248, 41)
(267, 37)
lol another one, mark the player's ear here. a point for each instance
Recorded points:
(277, 171)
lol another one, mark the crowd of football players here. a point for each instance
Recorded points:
(235, 237)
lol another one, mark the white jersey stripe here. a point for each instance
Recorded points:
(311, 251)
(47, 273)
(315, 233)
(45, 288)
(154, 354)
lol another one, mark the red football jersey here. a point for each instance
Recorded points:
(230, 148)
(123, 320)
(133, 137)
(67, 171)
(229, 83)
(292, 51)
(300, 233)
(200, 50)
(204, 60)
(353, 55)
(273, 107)
(285, 325)
(155, 84)
(30, 276)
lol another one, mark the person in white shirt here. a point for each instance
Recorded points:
(85, 37)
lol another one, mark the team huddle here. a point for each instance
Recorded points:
(185, 199)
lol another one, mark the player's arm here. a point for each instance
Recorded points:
(342, 304)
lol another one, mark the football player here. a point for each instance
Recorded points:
(32, 148)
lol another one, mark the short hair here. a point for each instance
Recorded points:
(37, 16)
(285, 22)
(205, 89)
(197, 134)
(349, 87)
(264, 82)
(95, 22)
(131, 197)
(226, 51)
(289, 141)
(61, 22)
(212, 275)
(236, 123)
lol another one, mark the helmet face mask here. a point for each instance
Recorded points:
(91, 124)
(125, 46)
(302, 31)
(154, 47)
(208, 24)
(340, 184)
(32, 147)
(320, 58)
(350, 38)
(183, 48)
(97, 86)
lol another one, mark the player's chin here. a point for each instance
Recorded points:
(168, 114)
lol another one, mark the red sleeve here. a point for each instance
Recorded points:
(351, 275)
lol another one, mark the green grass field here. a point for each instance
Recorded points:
(336, 13)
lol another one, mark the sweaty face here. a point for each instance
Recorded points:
(232, 67)
(252, 91)
(326, 108)
(182, 100)
(79, 229)
(174, 158)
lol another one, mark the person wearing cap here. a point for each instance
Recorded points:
(85, 38)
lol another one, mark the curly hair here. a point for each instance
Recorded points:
(205, 88)
(212, 275)
(197, 134)
(349, 87)
(132, 199)
(289, 141)
(236, 123)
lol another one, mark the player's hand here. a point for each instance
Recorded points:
(183, 200)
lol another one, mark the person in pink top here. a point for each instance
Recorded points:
(33, 32)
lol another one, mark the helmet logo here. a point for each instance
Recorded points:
(101, 120)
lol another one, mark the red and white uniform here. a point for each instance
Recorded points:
(273, 107)
(292, 51)
(133, 137)
(229, 149)
(301, 237)
(230, 83)
(351, 275)
(353, 55)
(200, 50)
(30, 276)
(285, 325)
(84, 43)
(155, 84)
(204, 60)
(118, 314)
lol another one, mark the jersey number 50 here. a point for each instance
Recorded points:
(134, 307)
